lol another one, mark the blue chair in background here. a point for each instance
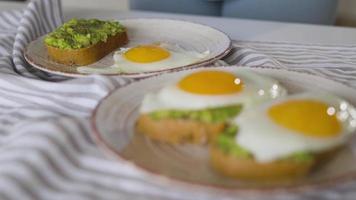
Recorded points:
(303, 11)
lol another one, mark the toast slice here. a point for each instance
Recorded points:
(177, 131)
(248, 169)
(87, 55)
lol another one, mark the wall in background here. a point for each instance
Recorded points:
(346, 12)
(92, 4)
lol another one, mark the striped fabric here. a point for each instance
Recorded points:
(45, 147)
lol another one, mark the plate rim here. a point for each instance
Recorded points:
(158, 177)
(222, 54)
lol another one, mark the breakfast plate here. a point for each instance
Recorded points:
(188, 36)
(187, 165)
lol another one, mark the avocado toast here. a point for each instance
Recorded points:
(81, 42)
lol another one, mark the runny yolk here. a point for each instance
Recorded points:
(307, 117)
(211, 82)
(146, 54)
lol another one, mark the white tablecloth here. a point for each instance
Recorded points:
(45, 147)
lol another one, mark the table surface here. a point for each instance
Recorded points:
(238, 29)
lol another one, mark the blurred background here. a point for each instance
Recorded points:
(330, 12)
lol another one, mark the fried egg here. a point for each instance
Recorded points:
(149, 57)
(214, 88)
(307, 122)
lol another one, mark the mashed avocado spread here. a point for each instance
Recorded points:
(210, 115)
(226, 142)
(81, 33)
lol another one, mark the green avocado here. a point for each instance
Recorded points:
(226, 142)
(209, 115)
(81, 33)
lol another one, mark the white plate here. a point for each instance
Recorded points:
(188, 35)
(186, 165)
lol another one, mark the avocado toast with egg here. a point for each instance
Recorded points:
(196, 108)
(230, 159)
(285, 138)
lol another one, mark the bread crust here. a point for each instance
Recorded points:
(249, 169)
(88, 55)
(176, 131)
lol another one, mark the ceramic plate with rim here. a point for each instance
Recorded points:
(187, 165)
(188, 35)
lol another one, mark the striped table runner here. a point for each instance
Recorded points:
(45, 148)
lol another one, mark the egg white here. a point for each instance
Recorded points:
(178, 57)
(257, 89)
(267, 141)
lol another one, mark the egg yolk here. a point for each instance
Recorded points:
(146, 54)
(211, 83)
(307, 117)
